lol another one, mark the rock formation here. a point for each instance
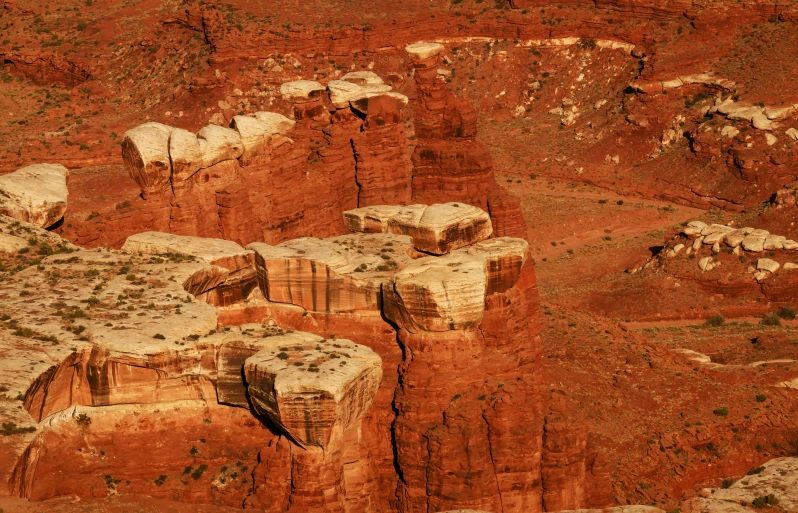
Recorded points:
(731, 260)
(455, 408)
(36, 194)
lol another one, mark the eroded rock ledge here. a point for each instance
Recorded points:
(311, 378)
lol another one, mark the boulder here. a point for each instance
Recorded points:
(716, 228)
(258, 133)
(504, 258)
(776, 113)
(735, 238)
(755, 241)
(729, 131)
(185, 153)
(440, 228)
(145, 150)
(766, 264)
(790, 266)
(218, 144)
(343, 92)
(312, 388)
(694, 228)
(362, 78)
(734, 110)
(789, 245)
(435, 229)
(698, 243)
(761, 122)
(421, 51)
(774, 242)
(276, 123)
(792, 133)
(705, 264)
(300, 91)
(437, 294)
(35, 194)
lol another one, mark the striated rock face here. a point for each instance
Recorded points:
(436, 229)
(36, 194)
(335, 417)
(329, 275)
(311, 387)
(268, 177)
(228, 280)
(449, 161)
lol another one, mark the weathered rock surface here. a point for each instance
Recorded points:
(311, 387)
(36, 194)
(337, 275)
(436, 229)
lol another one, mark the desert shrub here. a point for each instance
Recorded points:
(721, 412)
(761, 398)
(715, 320)
(786, 313)
(770, 320)
(198, 473)
(765, 501)
(83, 420)
(10, 428)
(159, 336)
(727, 482)
(160, 480)
(754, 471)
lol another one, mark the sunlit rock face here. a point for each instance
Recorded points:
(35, 194)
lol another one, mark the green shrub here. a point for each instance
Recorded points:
(761, 398)
(770, 320)
(715, 320)
(754, 471)
(10, 428)
(721, 412)
(788, 314)
(765, 501)
(727, 482)
(198, 473)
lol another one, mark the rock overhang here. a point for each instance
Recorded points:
(312, 387)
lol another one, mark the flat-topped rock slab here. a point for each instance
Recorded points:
(341, 274)
(203, 249)
(423, 50)
(35, 194)
(436, 229)
(311, 387)
(301, 90)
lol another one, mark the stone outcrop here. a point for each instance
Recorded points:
(312, 388)
(334, 405)
(435, 229)
(731, 260)
(229, 278)
(36, 194)
(449, 161)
